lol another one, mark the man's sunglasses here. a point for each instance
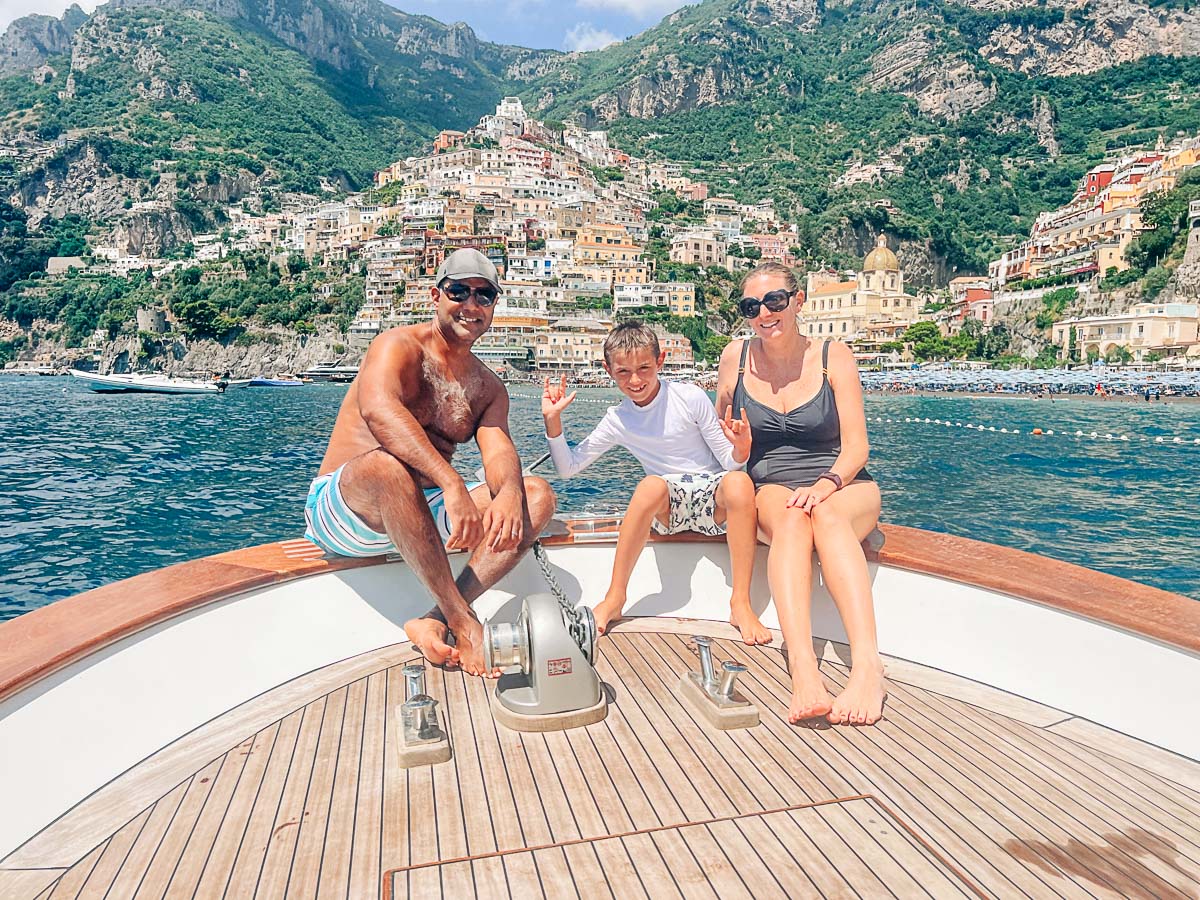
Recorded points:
(459, 291)
(775, 301)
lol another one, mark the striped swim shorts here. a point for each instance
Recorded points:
(335, 528)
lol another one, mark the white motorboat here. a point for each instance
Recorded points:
(146, 383)
(231, 726)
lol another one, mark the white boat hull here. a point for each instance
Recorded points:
(144, 384)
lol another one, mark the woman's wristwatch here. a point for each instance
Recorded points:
(834, 477)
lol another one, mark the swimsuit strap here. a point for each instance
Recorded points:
(825, 360)
(745, 351)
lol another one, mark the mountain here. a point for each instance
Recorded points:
(296, 91)
(948, 123)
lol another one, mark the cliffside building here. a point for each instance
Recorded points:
(862, 306)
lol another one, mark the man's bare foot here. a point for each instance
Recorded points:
(429, 636)
(861, 703)
(468, 647)
(608, 609)
(809, 697)
(742, 617)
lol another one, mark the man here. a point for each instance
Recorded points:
(386, 483)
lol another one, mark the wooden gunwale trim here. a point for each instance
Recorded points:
(44, 640)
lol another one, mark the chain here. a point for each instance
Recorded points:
(539, 553)
(579, 619)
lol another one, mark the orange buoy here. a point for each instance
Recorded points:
(1037, 431)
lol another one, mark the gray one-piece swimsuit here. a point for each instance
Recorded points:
(792, 448)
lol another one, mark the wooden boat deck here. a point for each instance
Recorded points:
(960, 790)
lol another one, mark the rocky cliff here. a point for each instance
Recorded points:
(30, 41)
(1098, 35)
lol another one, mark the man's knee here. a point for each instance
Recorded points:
(540, 496)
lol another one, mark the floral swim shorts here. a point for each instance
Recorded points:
(693, 503)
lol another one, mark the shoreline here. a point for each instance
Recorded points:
(984, 395)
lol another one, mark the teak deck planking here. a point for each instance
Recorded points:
(942, 798)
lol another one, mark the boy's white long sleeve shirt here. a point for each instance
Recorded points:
(678, 431)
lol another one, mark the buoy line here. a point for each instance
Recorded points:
(974, 426)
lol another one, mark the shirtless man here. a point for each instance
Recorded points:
(386, 483)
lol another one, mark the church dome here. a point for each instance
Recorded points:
(881, 259)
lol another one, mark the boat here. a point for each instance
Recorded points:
(275, 382)
(330, 372)
(232, 724)
(146, 383)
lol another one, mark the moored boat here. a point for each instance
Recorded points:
(146, 383)
(231, 723)
(275, 382)
(330, 372)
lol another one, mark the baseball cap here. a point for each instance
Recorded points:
(468, 263)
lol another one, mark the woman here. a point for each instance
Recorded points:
(804, 403)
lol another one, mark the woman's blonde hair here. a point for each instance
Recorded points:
(772, 268)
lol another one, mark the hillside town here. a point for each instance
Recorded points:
(576, 228)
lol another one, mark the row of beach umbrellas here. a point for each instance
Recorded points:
(1090, 380)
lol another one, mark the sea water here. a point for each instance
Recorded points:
(101, 487)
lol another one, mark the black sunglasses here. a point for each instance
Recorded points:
(459, 291)
(775, 301)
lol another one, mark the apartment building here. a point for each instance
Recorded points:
(705, 248)
(1169, 329)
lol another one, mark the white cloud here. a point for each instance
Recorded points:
(642, 9)
(15, 9)
(586, 36)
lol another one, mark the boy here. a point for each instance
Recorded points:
(691, 457)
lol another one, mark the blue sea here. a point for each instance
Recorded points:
(101, 487)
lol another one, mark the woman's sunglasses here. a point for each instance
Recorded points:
(775, 301)
(459, 291)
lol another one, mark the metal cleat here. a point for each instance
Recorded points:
(423, 740)
(717, 700)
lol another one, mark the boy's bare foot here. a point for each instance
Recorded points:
(429, 636)
(608, 609)
(861, 703)
(809, 697)
(742, 617)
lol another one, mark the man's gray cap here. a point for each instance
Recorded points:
(468, 263)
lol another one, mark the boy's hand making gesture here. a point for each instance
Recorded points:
(737, 432)
(554, 400)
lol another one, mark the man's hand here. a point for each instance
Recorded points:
(737, 432)
(466, 525)
(806, 498)
(555, 398)
(504, 521)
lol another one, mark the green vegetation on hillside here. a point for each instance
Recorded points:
(971, 188)
(254, 291)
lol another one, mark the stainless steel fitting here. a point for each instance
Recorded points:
(414, 680)
(732, 670)
(704, 648)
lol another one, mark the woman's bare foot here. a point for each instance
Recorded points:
(861, 703)
(742, 617)
(429, 636)
(809, 697)
(608, 609)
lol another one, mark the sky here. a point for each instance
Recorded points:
(556, 24)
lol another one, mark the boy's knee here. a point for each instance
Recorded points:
(652, 487)
(737, 488)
